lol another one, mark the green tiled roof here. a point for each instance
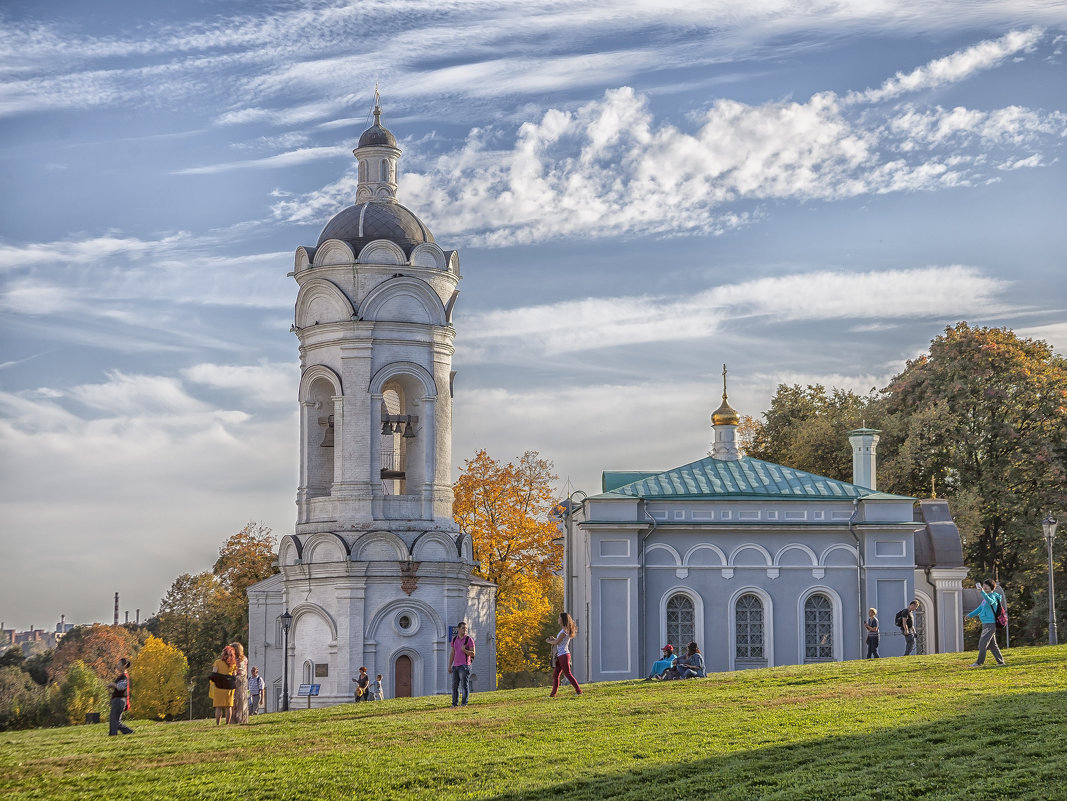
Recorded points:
(745, 477)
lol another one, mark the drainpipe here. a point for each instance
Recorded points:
(641, 606)
(861, 567)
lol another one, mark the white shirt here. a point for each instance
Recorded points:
(563, 643)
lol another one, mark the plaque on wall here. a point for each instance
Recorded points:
(321, 671)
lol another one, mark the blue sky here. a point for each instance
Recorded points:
(639, 192)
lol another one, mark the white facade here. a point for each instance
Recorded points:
(760, 564)
(376, 571)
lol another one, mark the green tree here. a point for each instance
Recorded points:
(157, 679)
(806, 428)
(81, 692)
(245, 558)
(22, 700)
(983, 418)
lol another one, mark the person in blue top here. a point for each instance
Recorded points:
(992, 602)
(661, 665)
(692, 665)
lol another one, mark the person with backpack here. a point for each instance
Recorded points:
(905, 621)
(460, 663)
(988, 611)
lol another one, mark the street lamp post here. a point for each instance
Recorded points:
(287, 621)
(1048, 525)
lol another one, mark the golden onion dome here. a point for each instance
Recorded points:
(725, 415)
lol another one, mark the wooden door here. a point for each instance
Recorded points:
(402, 677)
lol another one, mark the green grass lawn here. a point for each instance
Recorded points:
(919, 727)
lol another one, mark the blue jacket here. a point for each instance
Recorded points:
(985, 609)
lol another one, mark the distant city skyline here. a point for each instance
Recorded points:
(639, 193)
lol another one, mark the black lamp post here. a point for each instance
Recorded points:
(287, 621)
(1048, 525)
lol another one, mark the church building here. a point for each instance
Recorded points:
(760, 564)
(376, 573)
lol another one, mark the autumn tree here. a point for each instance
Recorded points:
(508, 511)
(157, 680)
(98, 647)
(245, 558)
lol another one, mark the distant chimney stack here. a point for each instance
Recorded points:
(138, 620)
(864, 457)
(116, 609)
(127, 617)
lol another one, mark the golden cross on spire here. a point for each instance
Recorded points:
(724, 382)
(377, 105)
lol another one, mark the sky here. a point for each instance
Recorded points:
(639, 192)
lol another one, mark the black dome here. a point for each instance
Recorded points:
(377, 134)
(366, 222)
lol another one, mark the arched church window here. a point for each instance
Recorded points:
(391, 456)
(681, 621)
(818, 629)
(362, 171)
(750, 648)
(309, 672)
(385, 169)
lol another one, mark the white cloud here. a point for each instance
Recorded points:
(955, 67)
(262, 383)
(592, 323)
(299, 156)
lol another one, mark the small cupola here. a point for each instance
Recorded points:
(378, 158)
(864, 443)
(724, 422)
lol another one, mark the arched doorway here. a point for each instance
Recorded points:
(402, 677)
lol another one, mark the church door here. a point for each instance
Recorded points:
(402, 677)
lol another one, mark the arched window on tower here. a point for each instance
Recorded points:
(391, 462)
(318, 438)
(749, 633)
(818, 629)
(362, 171)
(385, 171)
(681, 621)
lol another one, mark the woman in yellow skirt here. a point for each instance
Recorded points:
(221, 698)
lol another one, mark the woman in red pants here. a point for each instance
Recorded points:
(562, 641)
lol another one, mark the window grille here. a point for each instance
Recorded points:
(749, 632)
(818, 629)
(681, 622)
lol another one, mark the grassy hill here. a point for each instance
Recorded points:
(920, 727)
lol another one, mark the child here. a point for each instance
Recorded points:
(377, 693)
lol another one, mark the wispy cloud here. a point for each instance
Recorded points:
(289, 159)
(593, 323)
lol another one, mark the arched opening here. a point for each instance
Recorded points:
(750, 636)
(681, 621)
(818, 629)
(402, 677)
(308, 673)
(385, 171)
(403, 440)
(319, 438)
(362, 171)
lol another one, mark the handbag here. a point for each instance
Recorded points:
(224, 682)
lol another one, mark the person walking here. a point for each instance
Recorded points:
(223, 684)
(460, 664)
(377, 693)
(562, 641)
(362, 685)
(871, 625)
(905, 619)
(120, 699)
(987, 611)
(240, 691)
(255, 691)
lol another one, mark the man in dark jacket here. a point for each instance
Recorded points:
(120, 699)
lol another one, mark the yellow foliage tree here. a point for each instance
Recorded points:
(508, 511)
(157, 681)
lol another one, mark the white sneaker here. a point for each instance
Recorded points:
(975, 664)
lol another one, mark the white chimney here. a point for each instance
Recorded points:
(864, 457)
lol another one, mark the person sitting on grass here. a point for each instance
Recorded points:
(663, 663)
(692, 665)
